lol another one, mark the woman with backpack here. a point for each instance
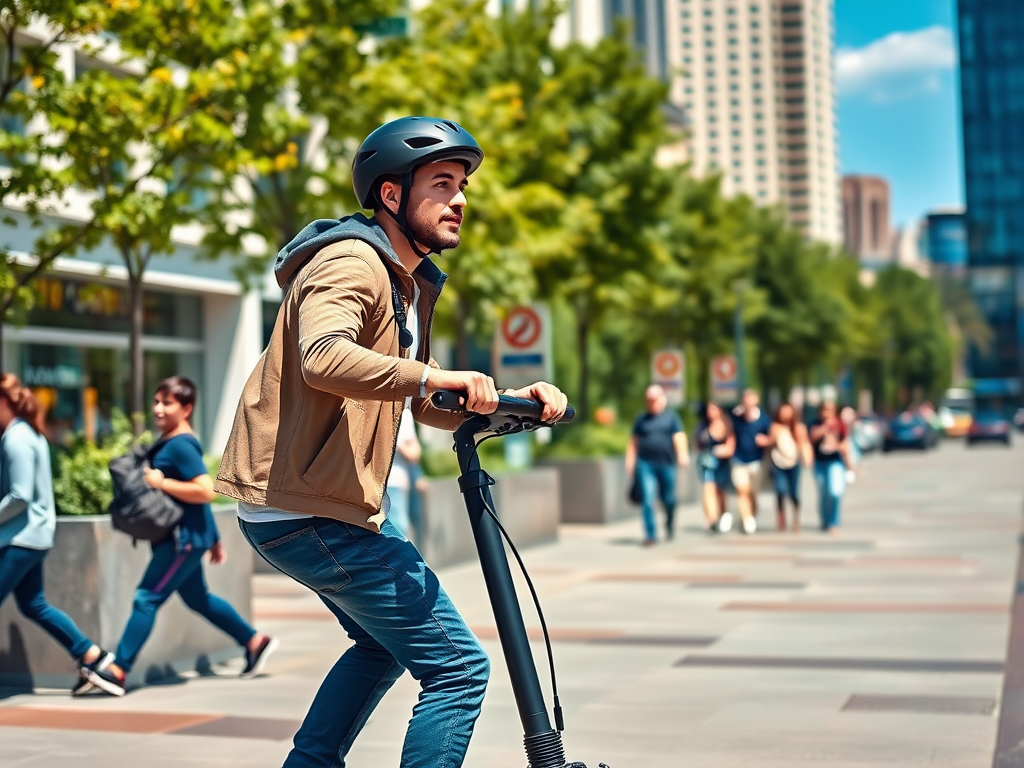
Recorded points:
(28, 519)
(177, 469)
(789, 446)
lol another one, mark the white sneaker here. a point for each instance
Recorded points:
(749, 525)
(725, 522)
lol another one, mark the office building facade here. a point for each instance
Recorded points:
(945, 240)
(992, 97)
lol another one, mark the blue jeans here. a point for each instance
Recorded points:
(831, 477)
(787, 483)
(171, 571)
(393, 608)
(398, 514)
(656, 480)
(21, 572)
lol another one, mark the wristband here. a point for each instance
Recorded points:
(423, 382)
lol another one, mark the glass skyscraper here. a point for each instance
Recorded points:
(992, 96)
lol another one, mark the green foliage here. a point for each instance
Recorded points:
(587, 440)
(81, 481)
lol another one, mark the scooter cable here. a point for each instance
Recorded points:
(559, 720)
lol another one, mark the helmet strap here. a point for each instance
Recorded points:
(401, 218)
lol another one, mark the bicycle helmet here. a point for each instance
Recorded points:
(397, 149)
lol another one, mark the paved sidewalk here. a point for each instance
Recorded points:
(882, 646)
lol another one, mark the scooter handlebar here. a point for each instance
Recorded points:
(520, 407)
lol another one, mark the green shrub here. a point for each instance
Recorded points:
(586, 441)
(81, 482)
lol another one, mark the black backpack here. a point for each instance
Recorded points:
(138, 509)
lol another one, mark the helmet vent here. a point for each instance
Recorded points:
(419, 142)
(451, 125)
(364, 156)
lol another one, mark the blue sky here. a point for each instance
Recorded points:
(899, 114)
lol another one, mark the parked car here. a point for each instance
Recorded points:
(990, 426)
(869, 432)
(1018, 419)
(909, 430)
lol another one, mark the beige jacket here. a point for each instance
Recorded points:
(316, 425)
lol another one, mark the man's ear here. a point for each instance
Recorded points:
(391, 196)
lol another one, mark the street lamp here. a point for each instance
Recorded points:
(740, 285)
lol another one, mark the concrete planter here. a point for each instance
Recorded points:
(594, 490)
(91, 574)
(527, 504)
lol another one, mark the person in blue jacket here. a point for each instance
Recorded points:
(177, 469)
(28, 519)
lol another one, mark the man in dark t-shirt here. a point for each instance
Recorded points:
(751, 426)
(658, 444)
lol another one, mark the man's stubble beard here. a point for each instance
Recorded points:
(432, 236)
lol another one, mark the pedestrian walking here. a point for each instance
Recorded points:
(715, 444)
(314, 437)
(751, 426)
(830, 440)
(658, 445)
(176, 565)
(401, 481)
(28, 520)
(789, 445)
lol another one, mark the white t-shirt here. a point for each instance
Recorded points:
(254, 513)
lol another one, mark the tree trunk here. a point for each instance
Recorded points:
(582, 337)
(136, 363)
(462, 351)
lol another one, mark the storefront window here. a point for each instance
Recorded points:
(80, 387)
(77, 304)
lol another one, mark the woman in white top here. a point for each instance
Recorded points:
(401, 481)
(789, 445)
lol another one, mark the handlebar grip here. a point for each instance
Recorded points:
(524, 408)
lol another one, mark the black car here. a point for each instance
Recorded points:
(909, 430)
(990, 426)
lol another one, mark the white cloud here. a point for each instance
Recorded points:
(896, 66)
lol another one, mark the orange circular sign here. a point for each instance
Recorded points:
(724, 369)
(521, 328)
(667, 364)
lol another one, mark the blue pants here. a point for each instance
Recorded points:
(787, 483)
(21, 572)
(656, 480)
(831, 477)
(392, 606)
(171, 571)
(398, 514)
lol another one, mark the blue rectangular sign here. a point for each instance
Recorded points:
(522, 359)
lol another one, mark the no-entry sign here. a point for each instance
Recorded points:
(724, 379)
(668, 370)
(522, 347)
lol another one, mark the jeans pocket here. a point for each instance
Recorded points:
(304, 556)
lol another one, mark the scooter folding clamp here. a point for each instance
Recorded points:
(475, 479)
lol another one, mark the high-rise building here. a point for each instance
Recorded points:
(587, 21)
(758, 89)
(945, 240)
(992, 98)
(866, 230)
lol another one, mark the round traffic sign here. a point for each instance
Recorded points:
(667, 364)
(724, 368)
(521, 328)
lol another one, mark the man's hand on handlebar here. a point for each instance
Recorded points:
(481, 394)
(555, 401)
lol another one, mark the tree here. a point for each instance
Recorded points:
(302, 116)
(911, 323)
(152, 124)
(31, 36)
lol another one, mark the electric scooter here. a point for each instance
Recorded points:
(542, 741)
